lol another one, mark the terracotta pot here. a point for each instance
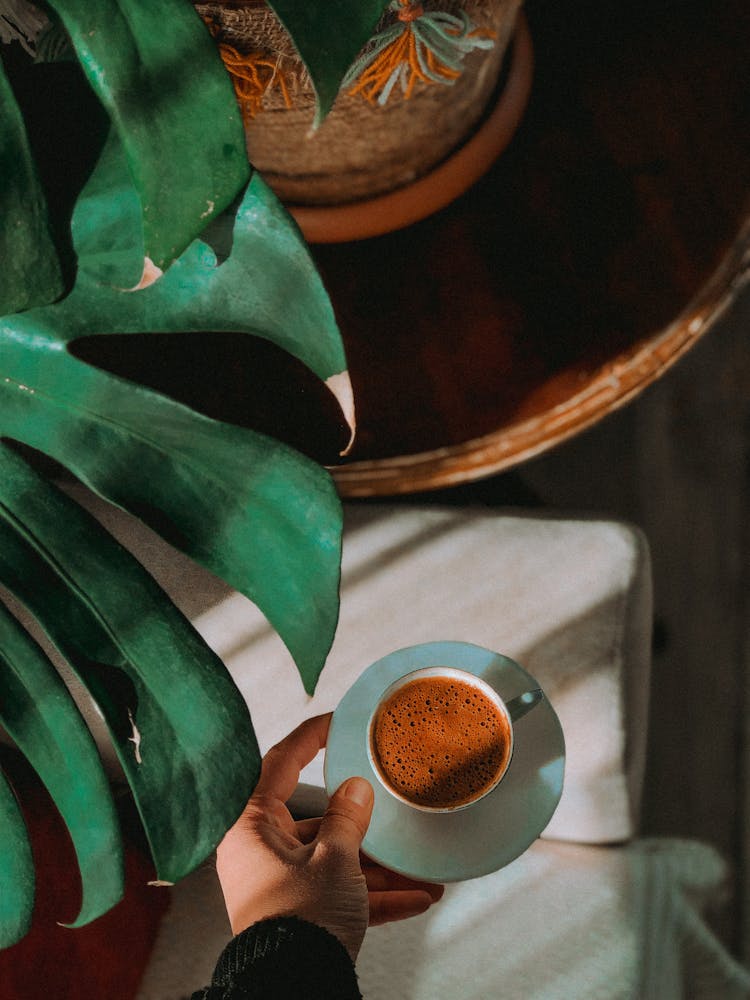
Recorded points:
(368, 147)
(444, 183)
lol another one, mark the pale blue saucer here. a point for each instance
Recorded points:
(452, 847)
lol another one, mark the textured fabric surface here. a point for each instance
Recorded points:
(567, 921)
(562, 921)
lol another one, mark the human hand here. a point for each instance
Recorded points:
(271, 866)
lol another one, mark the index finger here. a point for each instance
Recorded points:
(280, 770)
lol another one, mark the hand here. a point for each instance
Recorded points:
(271, 866)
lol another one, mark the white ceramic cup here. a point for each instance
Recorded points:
(512, 711)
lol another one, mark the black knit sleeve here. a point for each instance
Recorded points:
(283, 959)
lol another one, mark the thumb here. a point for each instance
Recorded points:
(347, 817)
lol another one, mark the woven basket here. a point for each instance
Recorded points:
(362, 149)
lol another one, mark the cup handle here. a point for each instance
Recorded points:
(519, 706)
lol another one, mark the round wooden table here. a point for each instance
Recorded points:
(600, 247)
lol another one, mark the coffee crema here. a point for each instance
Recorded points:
(440, 742)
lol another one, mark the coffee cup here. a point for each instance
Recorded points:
(440, 739)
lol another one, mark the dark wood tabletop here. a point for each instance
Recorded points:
(600, 246)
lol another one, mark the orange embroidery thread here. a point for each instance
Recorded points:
(253, 75)
(418, 47)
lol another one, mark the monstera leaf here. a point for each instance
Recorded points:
(178, 723)
(261, 516)
(30, 272)
(258, 514)
(16, 870)
(328, 34)
(255, 512)
(36, 710)
(156, 70)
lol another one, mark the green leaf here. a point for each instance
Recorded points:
(328, 35)
(30, 273)
(178, 723)
(156, 69)
(255, 512)
(38, 712)
(16, 870)
(269, 285)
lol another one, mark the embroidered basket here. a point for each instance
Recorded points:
(365, 147)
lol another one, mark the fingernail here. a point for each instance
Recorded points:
(359, 790)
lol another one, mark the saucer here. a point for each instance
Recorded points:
(452, 847)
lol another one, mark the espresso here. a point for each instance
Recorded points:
(440, 742)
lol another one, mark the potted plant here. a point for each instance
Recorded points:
(162, 227)
(418, 116)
